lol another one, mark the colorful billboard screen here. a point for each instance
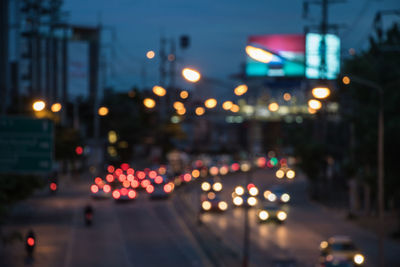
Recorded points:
(282, 55)
(314, 50)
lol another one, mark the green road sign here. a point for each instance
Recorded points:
(26, 145)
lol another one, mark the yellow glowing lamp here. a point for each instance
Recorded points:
(227, 105)
(103, 111)
(210, 103)
(321, 92)
(38, 105)
(191, 75)
(158, 90)
(56, 107)
(273, 107)
(314, 104)
(241, 90)
(200, 111)
(259, 54)
(149, 103)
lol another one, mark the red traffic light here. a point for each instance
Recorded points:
(30, 241)
(53, 186)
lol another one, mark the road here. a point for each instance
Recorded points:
(166, 233)
(295, 243)
(139, 233)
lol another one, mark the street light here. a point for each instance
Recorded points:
(102, 111)
(210, 103)
(227, 105)
(321, 92)
(38, 105)
(149, 103)
(56, 107)
(158, 90)
(184, 94)
(273, 106)
(150, 54)
(191, 75)
(314, 104)
(259, 54)
(178, 105)
(235, 108)
(200, 111)
(241, 90)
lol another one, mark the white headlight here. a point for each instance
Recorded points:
(358, 259)
(222, 205)
(206, 205)
(205, 186)
(238, 201)
(253, 191)
(271, 197)
(252, 201)
(282, 215)
(290, 174)
(285, 198)
(239, 190)
(217, 186)
(263, 215)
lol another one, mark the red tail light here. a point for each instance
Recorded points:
(118, 172)
(145, 183)
(134, 184)
(130, 177)
(187, 177)
(140, 175)
(152, 174)
(110, 178)
(97, 180)
(250, 186)
(150, 189)
(116, 194)
(53, 186)
(132, 194)
(130, 171)
(235, 167)
(124, 191)
(94, 188)
(158, 180)
(167, 188)
(110, 168)
(122, 177)
(30, 241)
(124, 166)
(106, 188)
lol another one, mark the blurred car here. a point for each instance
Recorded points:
(212, 185)
(100, 191)
(277, 194)
(271, 212)
(331, 261)
(124, 194)
(160, 188)
(212, 202)
(242, 197)
(341, 247)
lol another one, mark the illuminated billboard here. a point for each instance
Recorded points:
(292, 55)
(280, 55)
(314, 50)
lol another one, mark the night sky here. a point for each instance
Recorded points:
(218, 29)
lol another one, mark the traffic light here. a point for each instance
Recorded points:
(79, 150)
(184, 41)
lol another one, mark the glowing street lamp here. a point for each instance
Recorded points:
(235, 108)
(259, 54)
(227, 105)
(314, 104)
(346, 80)
(321, 92)
(273, 106)
(200, 111)
(38, 105)
(158, 90)
(56, 107)
(184, 94)
(150, 54)
(191, 75)
(102, 111)
(210, 103)
(178, 105)
(241, 90)
(149, 103)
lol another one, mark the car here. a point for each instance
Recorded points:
(124, 194)
(271, 212)
(242, 197)
(211, 201)
(277, 194)
(160, 188)
(341, 247)
(100, 189)
(212, 185)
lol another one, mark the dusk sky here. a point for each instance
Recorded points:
(218, 29)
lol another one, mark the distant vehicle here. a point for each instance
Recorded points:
(161, 188)
(277, 194)
(343, 248)
(211, 201)
(124, 194)
(331, 261)
(212, 185)
(100, 191)
(242, 197)
(88, 213)
(271, 212)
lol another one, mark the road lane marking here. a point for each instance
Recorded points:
(72, 234)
